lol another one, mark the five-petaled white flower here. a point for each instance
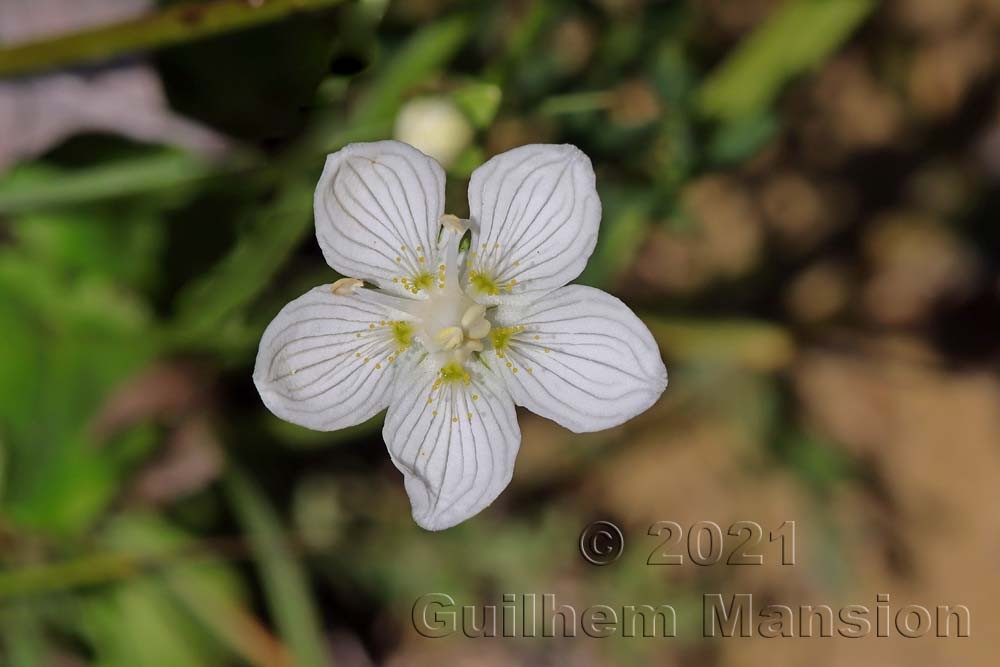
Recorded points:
(454, 335)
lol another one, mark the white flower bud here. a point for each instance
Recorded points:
(435, 126)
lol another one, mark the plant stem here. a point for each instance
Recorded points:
(172, 25)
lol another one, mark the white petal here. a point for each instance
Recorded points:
(538, 211)
(323, 362)
(457, 452)
(583, 360)
(377, 210)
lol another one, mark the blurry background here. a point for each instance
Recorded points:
(800, 199)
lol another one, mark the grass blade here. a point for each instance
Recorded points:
(284, 580)
(797, 37)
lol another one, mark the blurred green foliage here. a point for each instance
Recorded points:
(116, 255)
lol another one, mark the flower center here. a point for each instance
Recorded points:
(453, 323)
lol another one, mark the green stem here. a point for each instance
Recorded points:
(52, 577)
(577, 103)
(173, 25)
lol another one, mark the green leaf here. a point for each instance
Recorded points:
(69, 340)
(626, 217)
(750, 344)
(819, 463)
(420, 56)
(467, 162)
(797, 37)
(3, 465)
(284, 579)
(138, 625)
(123, 248)
(205, 305)
(208, 590)
(37, 186)
(479, 102)
(741, 139)
(23, 637)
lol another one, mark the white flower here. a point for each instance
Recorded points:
(450, 339)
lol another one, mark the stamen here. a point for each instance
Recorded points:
(472, 314)
(449, 338)
(479, 328)
(402, 333)
(346, 286)
(502, 336)
(484, 283)
(453, 372)
(453, 223)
